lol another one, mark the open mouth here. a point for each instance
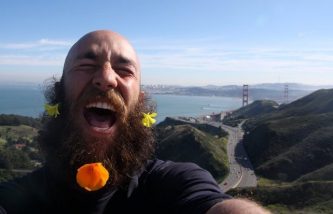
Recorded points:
(100, 115)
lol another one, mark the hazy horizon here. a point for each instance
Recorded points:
(27, 83)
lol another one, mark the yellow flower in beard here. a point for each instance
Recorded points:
(148, 119)
(92, 176)
(52, 110)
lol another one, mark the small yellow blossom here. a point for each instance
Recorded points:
(148, 119)
(52, 110)
(92, 176)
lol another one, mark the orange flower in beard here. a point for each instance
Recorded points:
(92, 176)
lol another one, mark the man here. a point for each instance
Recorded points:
(101, 108)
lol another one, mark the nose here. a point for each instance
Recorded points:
(105, 78)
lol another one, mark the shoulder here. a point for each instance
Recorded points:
(21, 192)
(177, 173)
(185, 186)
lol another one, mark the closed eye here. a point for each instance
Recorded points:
(124, 71)
(87, 67)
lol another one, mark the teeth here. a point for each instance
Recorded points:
(102, 105)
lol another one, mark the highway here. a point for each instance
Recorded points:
(241, 170)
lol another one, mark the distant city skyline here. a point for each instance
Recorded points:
(190, 43)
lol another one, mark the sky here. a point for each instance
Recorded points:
(179, 42)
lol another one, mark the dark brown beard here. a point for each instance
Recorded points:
(66, 147)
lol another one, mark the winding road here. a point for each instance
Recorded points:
(241, 170)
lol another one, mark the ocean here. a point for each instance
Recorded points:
(29, 101)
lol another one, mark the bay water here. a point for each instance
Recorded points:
(29, 101)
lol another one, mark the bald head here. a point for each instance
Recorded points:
(104, 42)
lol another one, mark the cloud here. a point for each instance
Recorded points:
(31, 60)
(55, 42)
(218, 57)
(37, 44)
(43, 52)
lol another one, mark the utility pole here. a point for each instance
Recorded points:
(245, 95)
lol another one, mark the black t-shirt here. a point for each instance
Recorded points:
(162, 187)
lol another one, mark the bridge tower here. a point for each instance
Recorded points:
(286, 93)
(245, 95)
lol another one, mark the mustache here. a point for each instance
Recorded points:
(91, 95)
(111, 97)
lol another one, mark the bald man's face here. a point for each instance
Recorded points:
(102, 82)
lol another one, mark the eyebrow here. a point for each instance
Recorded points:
(120, 59)
(124, 60)
(88, 55)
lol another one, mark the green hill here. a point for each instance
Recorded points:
(18, 146)
(291, 149)
(15, 120)
(300, 157)
(323, 174)
(294, 140)
(257, 108)
(318, 102)
(202, 127)
(309, 197)
(201, 144)
(14, 133)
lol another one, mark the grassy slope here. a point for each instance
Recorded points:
(15, 120)
(216, 131)
(257, 108)
(186, 143)
(17, 129)
(308, 197)
(323, 174)
(311, 153)
(318, 102)
(293, 141)
(16, 132)
(295, 144)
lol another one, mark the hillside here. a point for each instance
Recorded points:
(291, 149)
(202, 144)
(18, 146)
(257, 108)
(14, 133)
(300, 198)
(169, 121)
(318, 102)
(294, 140)
(323, 174)
(15, 120)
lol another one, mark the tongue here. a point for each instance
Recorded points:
(99, 119)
